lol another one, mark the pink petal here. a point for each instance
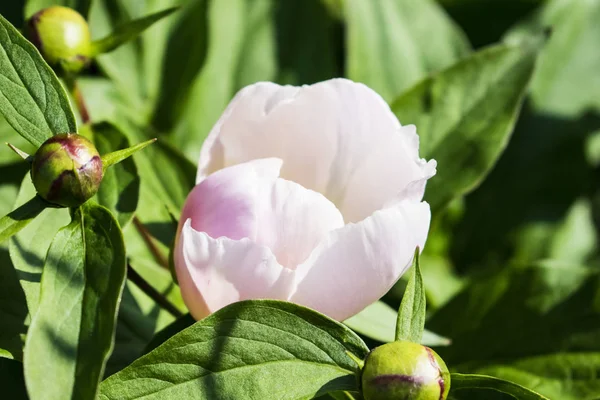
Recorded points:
(359, 263)
(247, 209)
(336, 137)
(226, 203)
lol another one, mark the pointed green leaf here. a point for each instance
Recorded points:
(120, 155)
(460, 382)
(73, 331)
(18, 219)
(127, 31)
(392, 44)
(82, 6)
(465, 115)
(378, 321)
(248, 350)
(32, 99)
(411, 315)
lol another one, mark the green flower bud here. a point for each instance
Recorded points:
(62, 36)
(404, 370)
(67, 170)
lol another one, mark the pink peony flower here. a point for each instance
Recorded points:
(307, 194)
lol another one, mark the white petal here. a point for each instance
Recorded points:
(359, 263)
(293, 220)
(213, 273)
(336, 137)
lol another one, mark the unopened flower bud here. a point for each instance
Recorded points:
(404, 370)
(67, 170)
(62, 36)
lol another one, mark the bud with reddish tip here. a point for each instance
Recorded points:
(62, 36)
(67, 170)
(404, 370)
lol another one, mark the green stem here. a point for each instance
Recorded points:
(73, 87)
(154, 294)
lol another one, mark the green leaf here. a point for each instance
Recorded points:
(411, 315)
(136, 67)
(252, 350)
(212, 89)
(31, 97)
(392, 44)
(566, 89)
(549, 142)
(536, 325)
(378, 321)
(554, 304)
(28, 248)
(18, 219)
(72, 333)
(572, 239)
(465, 115)
(463, 381)
(177, 76)
(119, 191)
(258, 58)
(127, 31)
(565, 376)
(33, 6)
(124, 66)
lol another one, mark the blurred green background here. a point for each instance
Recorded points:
(511, 266)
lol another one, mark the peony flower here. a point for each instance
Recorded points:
(307, 194)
